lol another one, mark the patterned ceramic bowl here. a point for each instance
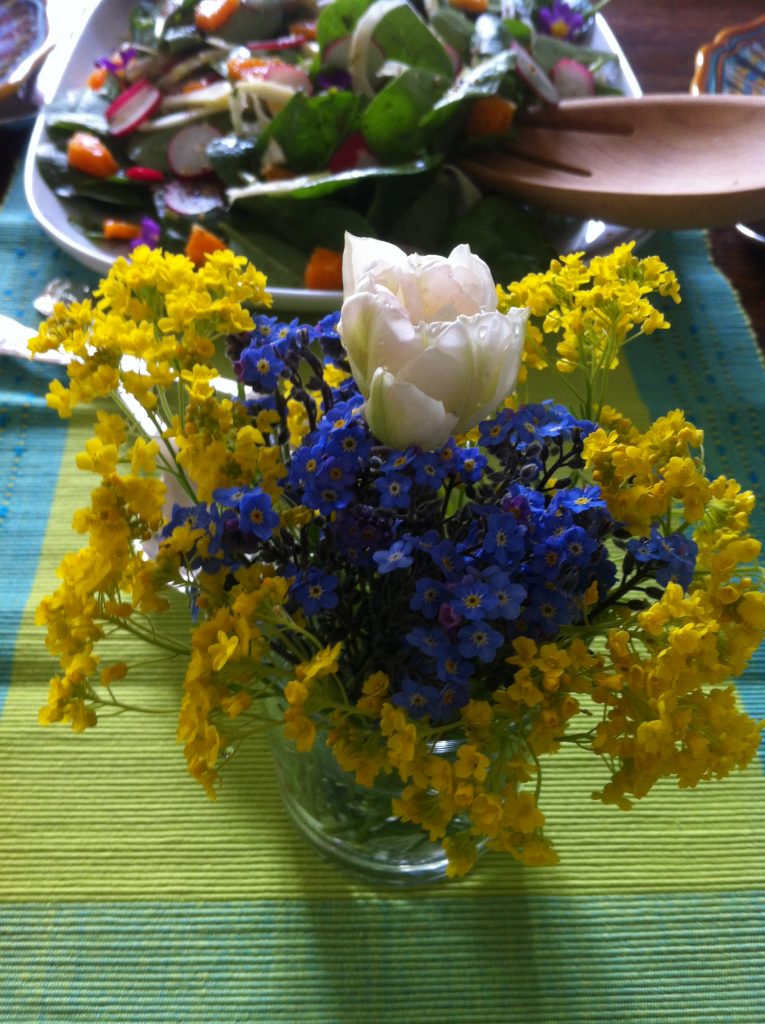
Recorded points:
(25, 40)
(734, 62)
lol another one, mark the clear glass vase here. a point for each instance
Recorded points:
(351, 824)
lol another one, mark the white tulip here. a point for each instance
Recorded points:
(426, 345)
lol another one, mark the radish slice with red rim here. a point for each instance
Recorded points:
(191, 199)
(187, 150)
(291, 42)
(132, 107)
(534, 75)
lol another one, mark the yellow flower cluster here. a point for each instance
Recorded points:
(589, 311)
(643, 475)
(148, 338)
(156, 317)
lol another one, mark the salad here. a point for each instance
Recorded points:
(274, 126)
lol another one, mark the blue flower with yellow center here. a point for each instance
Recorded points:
(315, 590)
(474, 600)
(479, 640)
(256, 514)
(394, 490)
(398, 556)
(428, 597)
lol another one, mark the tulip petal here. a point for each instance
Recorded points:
(376, 331)
(496, 342)
(367, 258)
(400, 415)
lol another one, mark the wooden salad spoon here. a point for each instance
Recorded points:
(656, 161)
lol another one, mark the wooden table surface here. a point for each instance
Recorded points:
(660, 39)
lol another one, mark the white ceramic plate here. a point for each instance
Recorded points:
(105, 26)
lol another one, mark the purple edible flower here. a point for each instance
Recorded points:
(123, 59)
(333, 78)
(560, 20)
(149, 234)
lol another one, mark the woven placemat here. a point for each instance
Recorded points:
(125, 896)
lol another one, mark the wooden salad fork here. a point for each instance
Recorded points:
(656, 161)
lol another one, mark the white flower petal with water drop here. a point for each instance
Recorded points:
(426, 344)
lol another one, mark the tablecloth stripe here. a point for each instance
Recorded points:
(485, 961)
(31, 444)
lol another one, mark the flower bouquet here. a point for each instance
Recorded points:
(417, 583)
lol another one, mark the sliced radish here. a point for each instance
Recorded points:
(572, 79)
(191, 200)
(132, 107)
(337, 54)
(453, 56)
(187, 150)
(287, 74)
(351, 154)
(534, 75)
(290, 42)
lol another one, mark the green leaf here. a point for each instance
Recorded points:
(548, 50)
(455, 29)
(232, 155)
(484, 80)
(78, 110)
(281, 262)
(425, 224)
(402, 36)
(311, 128)
(337, 20)
(68, 183)
(149, 149)
(512, 241)
(517, 29)
(391, 123)
(310, 186)
(143, 19)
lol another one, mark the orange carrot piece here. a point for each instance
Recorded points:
(201, 243)
(86, 153)
(324, 271)
(471, 6)
(96, 79)
(245, 67)
(490, 115)
(303, 28)
(196, 84)
(120, 230)
(210, 15)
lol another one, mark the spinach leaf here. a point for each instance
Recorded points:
(232, 155)
(403, 37)
(391, 123)
(306, 223)
(510, 239)
(142, 24)
(483, 80)
(455, 29)
(311, 128)
(308, 186)
(548, 50)
(281, 262)
(78, 110)
(338, 20)
(68, 183)
(149, 149)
